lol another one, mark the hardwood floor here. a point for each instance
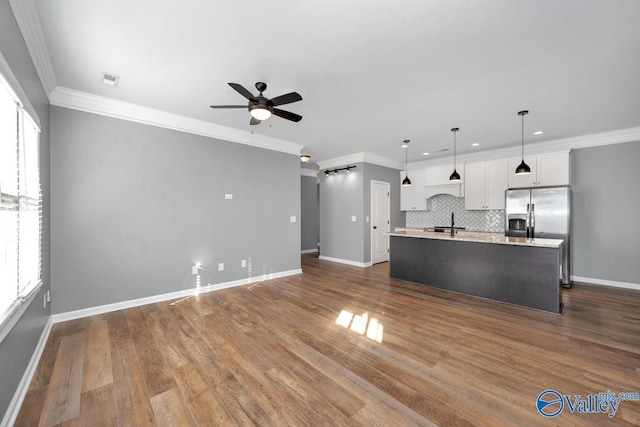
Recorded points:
(272, 354)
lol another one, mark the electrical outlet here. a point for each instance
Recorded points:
(353, 219)
(243, 263)
(292, 218)
(221, 266)
(194, 269)
(367, 219)
(228, 196)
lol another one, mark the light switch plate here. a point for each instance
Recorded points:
(367, 219)
(221, 266)
(292, 218)
(243, 263)
(353, 218)
(228, 196)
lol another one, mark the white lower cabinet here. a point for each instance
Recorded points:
(485, 184)
(412, 197)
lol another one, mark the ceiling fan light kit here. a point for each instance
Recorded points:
(261, 108)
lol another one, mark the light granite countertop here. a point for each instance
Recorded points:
(479, 237)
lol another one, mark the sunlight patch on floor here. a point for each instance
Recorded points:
(361, 324)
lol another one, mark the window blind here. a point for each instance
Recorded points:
(20, 203)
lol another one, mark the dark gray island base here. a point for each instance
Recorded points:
(520, 273)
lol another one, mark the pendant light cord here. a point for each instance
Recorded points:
(523, 137)
(454, 150)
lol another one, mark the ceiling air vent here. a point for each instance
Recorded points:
(110, 79)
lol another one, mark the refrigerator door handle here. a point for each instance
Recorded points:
(533, 220)
(527, 222)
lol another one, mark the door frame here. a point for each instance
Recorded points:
(371, 207)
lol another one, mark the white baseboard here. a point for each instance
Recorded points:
(612, 283)
(309, 251)
(16, 403)
(346, 261)
(92, 311)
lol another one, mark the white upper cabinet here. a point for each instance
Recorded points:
(439, 175)
(412, 197)
(546, 169)
(485, 184)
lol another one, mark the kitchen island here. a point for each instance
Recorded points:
(515, 270)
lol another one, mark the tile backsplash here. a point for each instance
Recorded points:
(440, 214)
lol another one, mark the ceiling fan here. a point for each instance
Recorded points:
(261, 108)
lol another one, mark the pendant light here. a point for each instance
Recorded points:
(406, 181)
(523, 168)
(455, 176)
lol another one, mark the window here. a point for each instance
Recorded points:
(20, 203)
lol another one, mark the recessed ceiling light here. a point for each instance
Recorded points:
(425, 154)
(538, 132)
(110, 79)
(475, 144)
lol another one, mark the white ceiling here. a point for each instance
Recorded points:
(371, 73)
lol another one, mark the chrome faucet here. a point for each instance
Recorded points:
(452, 224)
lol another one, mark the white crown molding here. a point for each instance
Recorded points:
(552, 146)
(309, 172)
(83, 101)
(26, 15)
(361, 157)
(92, 311)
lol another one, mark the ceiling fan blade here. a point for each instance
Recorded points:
(242, 91)
(287, 115)
(254, 121)
(228, 106)
(285, 99)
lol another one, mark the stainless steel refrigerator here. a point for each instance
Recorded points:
(542, 212)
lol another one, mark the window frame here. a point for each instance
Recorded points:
(25, 115)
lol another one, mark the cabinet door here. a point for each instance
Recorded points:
(519, 181)
(474, 186)
(553, 169)
(412, 198)
(496, 175)
(439, 175)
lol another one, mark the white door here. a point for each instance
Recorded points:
(380, 218)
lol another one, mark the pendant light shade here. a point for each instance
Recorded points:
(406, 181)
(455, 176)
(523, 168)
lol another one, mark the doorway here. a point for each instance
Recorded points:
(380, 221)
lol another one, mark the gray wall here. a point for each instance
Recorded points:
(345, 195)
(341, 197)
(309, 213)
(18, 347)
(606, 207)
(135, 206)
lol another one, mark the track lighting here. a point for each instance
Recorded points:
(336, 170)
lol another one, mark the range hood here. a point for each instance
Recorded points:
(456, 190)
